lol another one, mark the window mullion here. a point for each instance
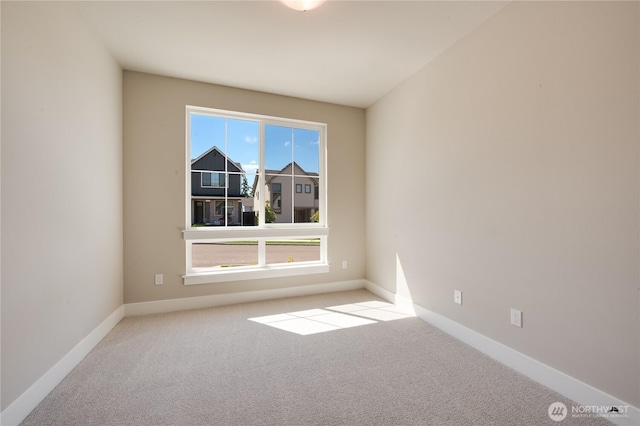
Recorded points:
(322, 178)
(293, 175)
(293, 193)
(225, 213)
(262, 252)
(262, 196)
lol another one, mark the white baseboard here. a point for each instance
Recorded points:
(574, 389)
(187, 303)
(21, 407)
(382, 292)
(400, 301)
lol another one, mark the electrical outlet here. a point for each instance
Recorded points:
(516, 317)
(345, 264)
(159, 279)
(457, 297)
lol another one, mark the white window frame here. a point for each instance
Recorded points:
(262, 232)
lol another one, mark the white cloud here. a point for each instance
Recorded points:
(287, 143)
(251, 139)
(251, 167)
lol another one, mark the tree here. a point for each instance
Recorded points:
(246, 189)
(316, 216)
(269, 215)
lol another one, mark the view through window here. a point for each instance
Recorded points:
(246, 208)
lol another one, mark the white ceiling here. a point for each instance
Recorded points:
(345, 52)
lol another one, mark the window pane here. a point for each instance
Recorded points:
(224, 162)
(206, 131)
(283, 145)
(278, 148)
(242, 149)
(274, 198)
(279, 189)
(215, 212)
(294, 250)
(305, 204)
(306, 151)
(224, 255)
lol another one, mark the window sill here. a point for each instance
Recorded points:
(210, 277)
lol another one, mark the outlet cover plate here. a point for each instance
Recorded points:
(457, 297)
(516, 317)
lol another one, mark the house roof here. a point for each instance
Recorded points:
(215, 148)
(275, 172)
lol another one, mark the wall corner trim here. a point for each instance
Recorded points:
(555, 380)
(199, 302)
(25, 403)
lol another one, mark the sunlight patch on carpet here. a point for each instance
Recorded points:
(312, 321)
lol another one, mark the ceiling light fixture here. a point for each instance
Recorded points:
(302, 5)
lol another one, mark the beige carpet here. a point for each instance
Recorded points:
(355, 363)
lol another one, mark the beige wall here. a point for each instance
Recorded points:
(154, 183)
(518, 184)
(61, 188)
(522, 141)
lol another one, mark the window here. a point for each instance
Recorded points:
(276, 197)
(213, 180)
(246, 214)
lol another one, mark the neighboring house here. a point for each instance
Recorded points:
(213, 174)
(291, 183)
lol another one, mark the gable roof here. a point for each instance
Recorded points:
(295, 166)
(216, 149)
(275, 173)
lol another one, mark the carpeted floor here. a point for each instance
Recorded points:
(333, 359)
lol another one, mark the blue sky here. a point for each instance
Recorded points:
(282, 144)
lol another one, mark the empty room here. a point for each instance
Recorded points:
(306, 212)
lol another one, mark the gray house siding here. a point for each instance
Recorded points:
(208, 205)
(214, 161)
(234, 186)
